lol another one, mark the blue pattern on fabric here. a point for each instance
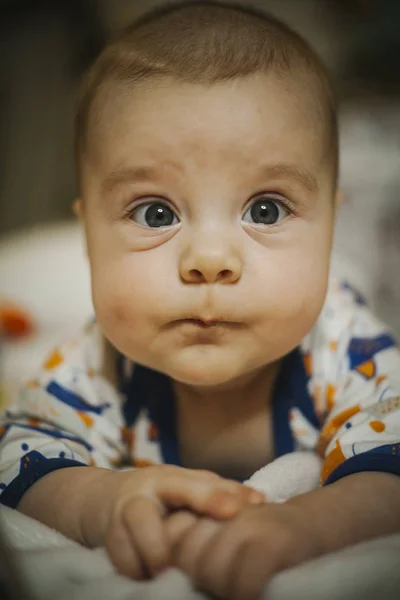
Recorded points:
(362, 349)
(74, 400)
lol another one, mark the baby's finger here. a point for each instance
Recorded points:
(226, 502)
(143, 519)
(178, 524)
(246, 493)
(216, 497)
(123, 554)
(251, 495)
(194, 543)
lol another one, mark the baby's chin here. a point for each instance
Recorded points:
(205, 366)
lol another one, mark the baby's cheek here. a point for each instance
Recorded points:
(305, 300)
(295, 302)
(118, 304)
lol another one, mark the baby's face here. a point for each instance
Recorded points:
(209, 217)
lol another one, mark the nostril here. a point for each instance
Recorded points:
(209, 276)
(224, 274)
(196, 274)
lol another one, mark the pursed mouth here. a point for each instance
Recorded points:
(206, 323)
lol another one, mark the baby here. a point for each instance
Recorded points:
(207, 157)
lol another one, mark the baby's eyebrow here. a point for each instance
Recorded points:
(283, 170)
(151, 173)
(132, 174)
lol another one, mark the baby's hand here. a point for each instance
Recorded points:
(233, 560)
(136, 537)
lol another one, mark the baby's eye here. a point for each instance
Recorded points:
(266, 211)
(154, 214)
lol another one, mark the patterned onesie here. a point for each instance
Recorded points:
(337, 394)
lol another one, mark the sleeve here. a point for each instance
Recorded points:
(70, 415)
(356, 389)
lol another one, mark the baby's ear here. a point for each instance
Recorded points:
(339, 196)
(77, 207)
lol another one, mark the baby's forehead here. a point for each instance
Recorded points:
(206, 43)
(262, 109)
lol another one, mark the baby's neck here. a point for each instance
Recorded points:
(241, 396)
(227, 430)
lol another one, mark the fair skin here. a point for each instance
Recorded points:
(210, 153)
(237, 173)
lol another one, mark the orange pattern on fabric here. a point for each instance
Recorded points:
(307, 358)
(33, 422)
(332, 461)
(55, 359)
(331, 396)
(86, 419)
(333, 426)
(332, 346)
(388, 405)
(380, 379)
(367, 369)
(377, 426)
(33, 384)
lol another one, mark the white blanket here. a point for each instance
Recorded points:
(55, 567)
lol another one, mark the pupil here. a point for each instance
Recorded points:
(159, 215)
(265, 212)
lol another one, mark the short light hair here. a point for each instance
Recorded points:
(204, 42)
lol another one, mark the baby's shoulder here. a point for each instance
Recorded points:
(86, 352)
(345, 321)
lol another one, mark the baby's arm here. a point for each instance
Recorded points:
(358, 507)
(234, 560)
(125, 511)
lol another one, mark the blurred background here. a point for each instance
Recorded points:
(45, 45)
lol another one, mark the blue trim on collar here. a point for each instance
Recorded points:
(291, 390)
(133, 402)
(299, 388)
(282, 401)
(367, 461)
(161, 406)
(152, 390)
(165, 413)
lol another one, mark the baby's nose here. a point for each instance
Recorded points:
(211, 264)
